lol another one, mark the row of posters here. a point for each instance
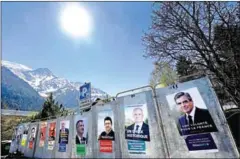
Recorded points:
(193, 120)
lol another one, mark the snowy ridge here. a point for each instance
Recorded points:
(15, 66)
(45, 82)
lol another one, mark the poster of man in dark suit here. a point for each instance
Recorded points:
(194, 120)
(63, 133)
(138, 130)
(80, 138)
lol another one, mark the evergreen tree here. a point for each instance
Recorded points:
(50, 108)
(185, 67)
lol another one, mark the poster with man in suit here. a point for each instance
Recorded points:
(81, 131)
(136, 122)
(81, 137)
(63, 135)
(194, 116)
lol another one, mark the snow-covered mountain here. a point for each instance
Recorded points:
(44, 82)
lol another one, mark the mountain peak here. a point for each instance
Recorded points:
(16, 66)
(44, 81)
(43, 71)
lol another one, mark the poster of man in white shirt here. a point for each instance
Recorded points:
(136, 122)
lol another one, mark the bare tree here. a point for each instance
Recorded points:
(191, 29)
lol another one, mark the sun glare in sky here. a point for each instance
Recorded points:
(76, 21)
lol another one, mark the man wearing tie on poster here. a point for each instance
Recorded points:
(80, 139)
(195, 120)
(63, 135)
(139, 130)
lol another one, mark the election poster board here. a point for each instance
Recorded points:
(24, 140)
(43, 129)
(63, 135)
(136, 128)
(25, 133)
(31, 141)
(51, 135)
(20, 131)
(81, 134)
(106, 132)
(193, 119)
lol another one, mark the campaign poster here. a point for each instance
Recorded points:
(201, 142)
(51, 135)
(32, 136)
(62, 147)
(20, 131)
(25, 133)
(81, 135)
(136, 122)
(43, 129)
(136, 147)
(24, 140)
(190, 112)
(106, 125)
(81, 149)
(63, 135)
(105, 146)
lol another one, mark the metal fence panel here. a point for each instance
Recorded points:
(153, 148)
(176, 143)
(99, 113)
(60, 148)
(39, 149)
(23, 141)
(31, 142)
(14, 143)
(48, 150)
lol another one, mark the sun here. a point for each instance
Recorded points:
(76, 21)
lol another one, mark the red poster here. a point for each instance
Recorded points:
(42, 133)
(30, 144)
(106, 146)
(52, 131)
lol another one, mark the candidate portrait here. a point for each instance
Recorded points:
(139, 130)
(108, 134)
(80, 139)
(63, 133)
(194, 120)
(32, 134)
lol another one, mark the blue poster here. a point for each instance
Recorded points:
(201, 142)
(136, 147)
(62, 147)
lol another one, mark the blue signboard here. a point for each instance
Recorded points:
(201, 142)
(85, 94)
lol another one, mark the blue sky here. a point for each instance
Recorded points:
(111, 58)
